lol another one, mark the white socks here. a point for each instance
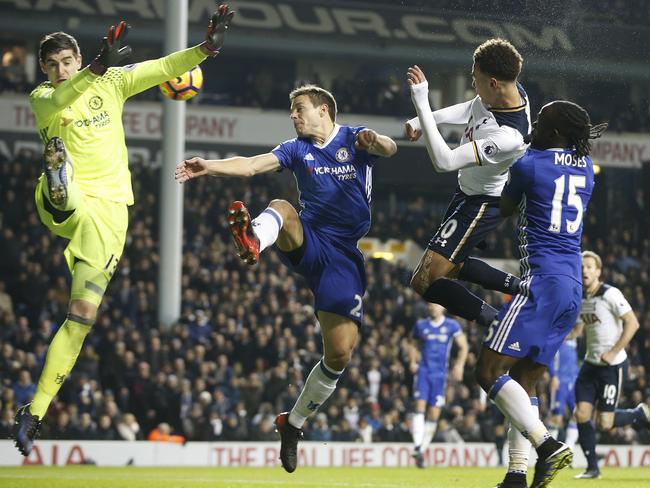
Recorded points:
(571, 434)
(429, 432)
(514, 403)
(519, 446)
(418, 429)
(267, 226)
(320, 384)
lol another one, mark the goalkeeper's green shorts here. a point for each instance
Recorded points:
(96, 229)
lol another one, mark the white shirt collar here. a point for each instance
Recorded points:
(438, 323)
(332, 135)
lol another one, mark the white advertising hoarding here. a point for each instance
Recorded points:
(265, 454)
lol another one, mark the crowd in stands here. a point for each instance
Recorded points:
(620, 12)
(247, 336)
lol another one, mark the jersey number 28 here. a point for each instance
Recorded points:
(573, 199)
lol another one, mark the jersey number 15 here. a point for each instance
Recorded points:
(573, 200)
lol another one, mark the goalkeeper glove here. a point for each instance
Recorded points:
(217, 28)
(112, 52)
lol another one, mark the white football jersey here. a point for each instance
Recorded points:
(497, 145)
(497, 136)
(601, 315)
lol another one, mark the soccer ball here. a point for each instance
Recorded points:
(185, 86)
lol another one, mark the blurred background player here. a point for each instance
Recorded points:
(564, 371)
(85, 188)
(609, 324)
(428, 359)
(551, 184)
(332, 165)
(497, 120)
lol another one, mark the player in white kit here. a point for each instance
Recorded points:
(609, 324)
(496, 122)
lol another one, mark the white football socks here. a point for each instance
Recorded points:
(519, 446)
(571, 435)
(320, 384)
(267, 226)
(514, 403)
(429, 431)
(418, 429)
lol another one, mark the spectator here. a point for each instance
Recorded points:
(163, 433)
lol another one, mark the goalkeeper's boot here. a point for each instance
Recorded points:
(239, 223)
(58, 171)
(289, 437)
(548, 467)
(25, 430)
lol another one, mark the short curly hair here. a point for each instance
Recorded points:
(499, 59)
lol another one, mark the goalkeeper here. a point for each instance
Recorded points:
(85, 187)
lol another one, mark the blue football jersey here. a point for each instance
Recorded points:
(565, 363)
(553, 188)
(436, 342)
(334, 180)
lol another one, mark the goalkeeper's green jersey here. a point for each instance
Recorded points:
(86, 112)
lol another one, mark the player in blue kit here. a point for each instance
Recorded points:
(332, 165)
(435, 335)
(564, 371)
(551, 184)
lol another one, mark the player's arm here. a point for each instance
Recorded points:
(374, 143)
(442, 157)
(630, 326)
(513, 190)
(142, 76)
(47, 102)
(413, 355)
(238, 167)
(455, 115)
(461, 358)
(576, 331)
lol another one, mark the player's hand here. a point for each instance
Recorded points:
(555, 384)
(608, 357)
(191, 168)
(217, 28)
(366, 138)
(112, 52)
(411, 133)
(457, 372)
(415, 76)
(413, 367)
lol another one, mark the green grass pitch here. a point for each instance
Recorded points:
(134, 477)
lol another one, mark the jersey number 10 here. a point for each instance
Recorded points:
(573, 199)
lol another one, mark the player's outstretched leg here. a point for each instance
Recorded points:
(25, 430)
(289, 437)
(56, 165)
(239, 223)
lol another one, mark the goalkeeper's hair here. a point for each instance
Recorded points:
(55, 42)
(574, 124)
(499, 59)
(318, 96)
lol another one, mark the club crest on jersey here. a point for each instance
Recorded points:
(342, 155)
(96, 102)
(489, 148)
